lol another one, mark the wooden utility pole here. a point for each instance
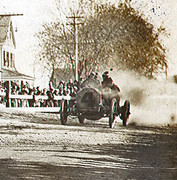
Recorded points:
(75, 24)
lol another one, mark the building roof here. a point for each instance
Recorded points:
(5, 22)
(14, 75)
(8, 74)
(4, 25)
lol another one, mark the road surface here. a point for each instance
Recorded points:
(37, 146)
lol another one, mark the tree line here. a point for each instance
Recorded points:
(107, 36)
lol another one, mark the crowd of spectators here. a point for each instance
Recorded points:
(37, 97)
(25, 95)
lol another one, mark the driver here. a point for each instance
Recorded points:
(110, 90)
(108, 82)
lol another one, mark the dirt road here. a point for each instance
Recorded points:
(39, 147)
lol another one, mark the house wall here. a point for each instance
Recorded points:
(8, 50)
(8, 57)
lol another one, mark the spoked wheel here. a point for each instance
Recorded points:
(81, 119)
(64, 112)
(125, 112)
(112, 114)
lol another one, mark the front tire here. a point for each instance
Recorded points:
(64, 112)
(112, 114)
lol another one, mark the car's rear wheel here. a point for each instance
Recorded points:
(64, 112)
(113, 109)
(125, 112)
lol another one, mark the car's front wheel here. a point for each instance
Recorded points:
(113, 111)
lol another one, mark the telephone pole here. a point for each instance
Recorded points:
(75, 24)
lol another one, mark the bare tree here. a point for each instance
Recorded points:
(110, 35)
(123, 38)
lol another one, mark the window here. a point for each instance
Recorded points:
(11, 60)
(7, 64)
(8, 59)
(4, 58)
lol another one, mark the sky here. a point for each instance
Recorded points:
(35, 12)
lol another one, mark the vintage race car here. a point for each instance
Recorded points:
(92, 102)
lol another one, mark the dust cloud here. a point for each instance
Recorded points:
(153, 102)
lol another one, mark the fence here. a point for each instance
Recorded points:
(30, 101)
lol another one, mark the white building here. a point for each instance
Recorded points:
(8, 70)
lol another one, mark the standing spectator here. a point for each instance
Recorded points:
(43, 94)
(13, 101)
(38, 91)
(31, 92)
(35, 94)
(55, 94)
(50, 95)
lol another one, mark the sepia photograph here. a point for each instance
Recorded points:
(88, 89)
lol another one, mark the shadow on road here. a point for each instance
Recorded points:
(146, 156)
(138, 153)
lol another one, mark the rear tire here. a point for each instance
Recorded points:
(63, 112)
(112, 114)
